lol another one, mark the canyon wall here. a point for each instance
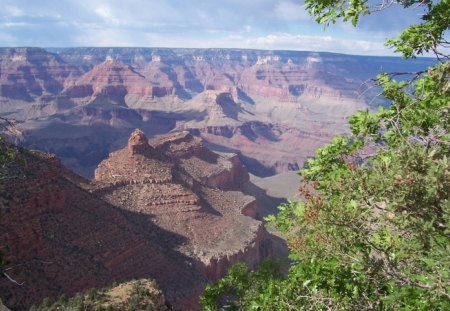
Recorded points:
(272, 108)
(144, 216)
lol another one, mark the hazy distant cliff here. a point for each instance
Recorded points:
(272, 107)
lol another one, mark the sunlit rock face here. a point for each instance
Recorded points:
(187, 189)
(272, 108)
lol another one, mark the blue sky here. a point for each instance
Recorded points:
(260, 24)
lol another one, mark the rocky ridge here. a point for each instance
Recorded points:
(180, 184)
(63, 96)
(146, 215)
(142, 294)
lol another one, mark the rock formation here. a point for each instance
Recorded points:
(151, 212)
(178, 182)
(62, 239)
(62, 97)
(142, 294)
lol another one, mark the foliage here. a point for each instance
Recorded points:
(372, 231)
(140, 295)
(242, 287)
(427, 36)
(417, 39)
(6, 157)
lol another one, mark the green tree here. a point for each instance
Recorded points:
(10, 168)
(372, 231)
(6, 157)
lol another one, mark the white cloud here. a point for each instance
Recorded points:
(106, 14)
(103, 11)
(15, 24)
(318, 43)
(108, 37)
(266, 24)
(12, 11)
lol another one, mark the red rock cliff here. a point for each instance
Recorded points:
(61, 239)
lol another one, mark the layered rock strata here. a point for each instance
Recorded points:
(147, 215)
(65, 97)
(180, 184)
(59, 238)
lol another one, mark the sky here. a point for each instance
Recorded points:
(255, 24)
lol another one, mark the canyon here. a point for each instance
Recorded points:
(272, 108)
(167, 209)
(160, 163)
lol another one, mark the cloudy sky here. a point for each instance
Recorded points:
(260, 24)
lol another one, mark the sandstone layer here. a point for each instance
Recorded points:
(179, 185)
(271, 107)
(156, 210)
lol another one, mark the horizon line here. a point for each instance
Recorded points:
(209, 48)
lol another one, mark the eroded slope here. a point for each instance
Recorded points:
(154, 211)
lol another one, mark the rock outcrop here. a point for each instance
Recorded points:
(150, 213)
(142, 294)
(222, 171)
(61, 239)
(64, 97)
(182, 189)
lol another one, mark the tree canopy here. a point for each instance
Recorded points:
(9, 169)
(372, 231)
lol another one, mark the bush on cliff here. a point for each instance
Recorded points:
(135, 295)
(7, 157)
(372, 232)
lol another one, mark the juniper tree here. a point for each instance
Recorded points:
(372, 231)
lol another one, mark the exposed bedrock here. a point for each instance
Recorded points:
(232, 175)
(218, 92)
(145, 216)
(266, 148)
(61, 239)
(181, 185)
(224, 171)
(260, 247)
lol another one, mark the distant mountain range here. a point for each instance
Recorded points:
(271, 107)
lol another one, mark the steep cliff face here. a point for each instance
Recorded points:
(215, 267)
(150, 213)
(61, 239)
(121, 84)
(30, 73)
(178, 181)
(54, 91)
(232, 174)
